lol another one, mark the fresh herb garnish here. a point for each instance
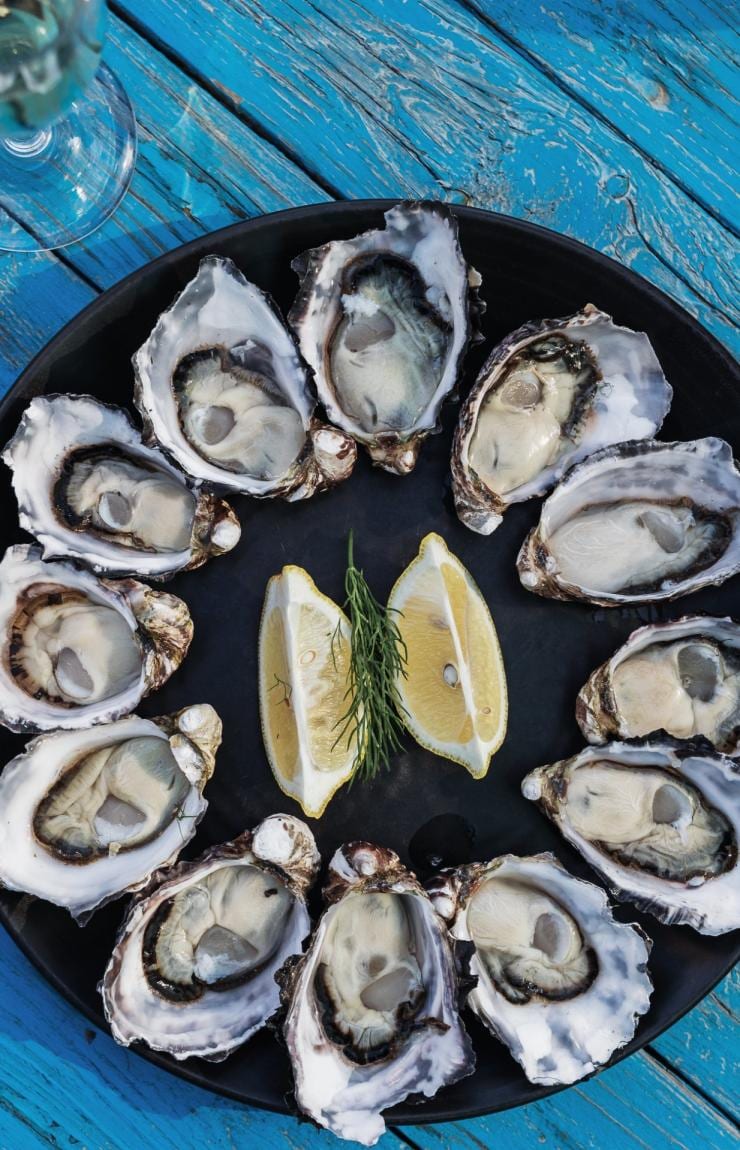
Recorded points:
(286, 688)
(377, 656)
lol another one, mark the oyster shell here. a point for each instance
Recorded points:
(222, 389)
(78, 650)
(681, 677)
(548, 395)
(659, 821)
(90, 489)
(193, 970)
(86, 815)
(638, 523)
(372, 1006)
(384, 320)
(559, 980)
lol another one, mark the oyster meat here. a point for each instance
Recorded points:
(193, 970)
(88, 814)
(638, 523)
(384, 320)
(559, 980)
(548, 395)
(659, 821)
(372, 1007)
(222, 389)
(78, 650)
(681, 677)
(89, 489)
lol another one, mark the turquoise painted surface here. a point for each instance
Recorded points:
(612, 122)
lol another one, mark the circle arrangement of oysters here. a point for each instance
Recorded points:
(101, 802)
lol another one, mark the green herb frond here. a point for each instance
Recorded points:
(287, 688)
(372, 722)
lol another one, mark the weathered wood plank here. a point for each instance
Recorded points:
(424, 99)
(636, 1105)
(199, 168)
(64, 1083)
(703, 1046)
(38, 294)
(664, 74)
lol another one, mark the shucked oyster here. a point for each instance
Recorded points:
(681, 677)
(548, 395)
(372, 1007)
(637, 523)
(558, 979)
(193, 970)
(77, 650)
(222, 389)
(85, 815)
(383, 320)
(89, 488)
(659, 821)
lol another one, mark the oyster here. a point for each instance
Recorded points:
(77, 650)
(221, 387)
(193, 970)
(659, 821)
(681, 677)
(372, 1007)
(384, 320)
(559, 981)
(90, 489)
(638, 523)
(548, 395)
(86, 815)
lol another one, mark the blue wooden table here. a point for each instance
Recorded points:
(613, 122)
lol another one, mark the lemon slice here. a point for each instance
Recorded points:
(455, 691)
(304, 651)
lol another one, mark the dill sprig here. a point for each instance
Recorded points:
(377, 656)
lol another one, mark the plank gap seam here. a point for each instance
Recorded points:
(213, 90)
(472, 9)
(670, 1068)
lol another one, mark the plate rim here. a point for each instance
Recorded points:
(424, 1113)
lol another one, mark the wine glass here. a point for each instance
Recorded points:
(67, 129)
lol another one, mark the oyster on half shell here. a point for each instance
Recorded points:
(681, 677)
(371, 1008)
(548, 395)
(77, 650)
(384, 320)
(89, 489)
(659, 821)
(559, 980)
(638, 523)
(222, 389)
(193, 970)
(88, 814)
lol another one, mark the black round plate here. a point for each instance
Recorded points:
(549, 648)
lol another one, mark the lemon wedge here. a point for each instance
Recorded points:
(454, 695)
(304, 652)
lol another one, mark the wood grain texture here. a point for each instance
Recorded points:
(664, 75)
(38, 294)
(428, 103)
(424, 99)
(634, 1106)
(63, 1083)
(198, 169)
(703, 1046)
